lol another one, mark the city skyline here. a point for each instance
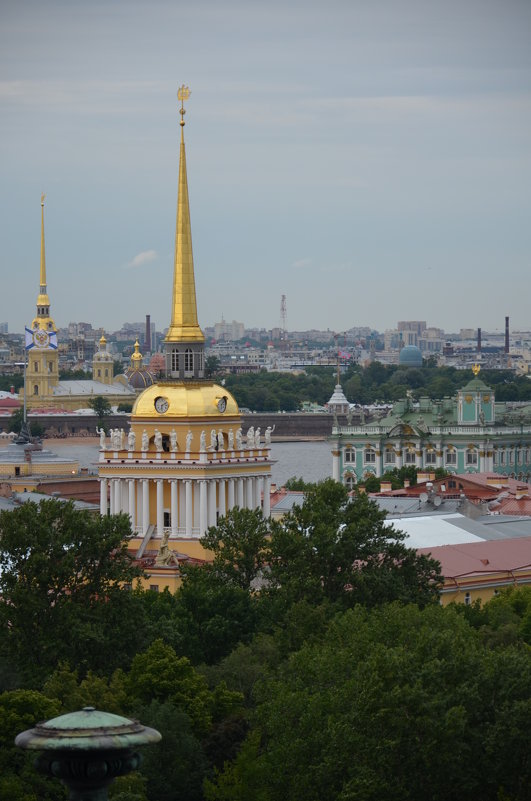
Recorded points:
(369, 161)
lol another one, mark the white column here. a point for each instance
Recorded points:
(132, 502)
(266, 508)
(174, 507)
(222, 508)
(124, 497)
(189, 508)
(438, 456)
(335, 465)
(160, 506)
(399, 458)
(117, 496)
(203, 511)
(230, 499)
(239, 501)
(250, 492)
(111, 496)
(258, 482)
(103, 497)
(145, 505)
(211, 501)
(139, 515)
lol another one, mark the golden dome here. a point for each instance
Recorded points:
(136, 356)
(185, 400)
(103, 341)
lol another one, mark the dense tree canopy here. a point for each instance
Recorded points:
(395, 703)
(62, 573)
(270, 391)
(308, 660)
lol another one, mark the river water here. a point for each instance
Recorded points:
(311, 461)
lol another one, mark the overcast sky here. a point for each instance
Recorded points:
(369, 159)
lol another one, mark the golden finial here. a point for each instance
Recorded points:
(43, 196)
(475, 369)
(183, 93)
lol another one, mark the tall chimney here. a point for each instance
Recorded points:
(506, 335)
(479, 340)
(147, 343)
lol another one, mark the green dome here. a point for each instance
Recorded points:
(410, 356)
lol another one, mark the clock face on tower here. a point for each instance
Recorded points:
(222, 404)
(161, 404)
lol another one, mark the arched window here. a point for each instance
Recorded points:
(175, 360)
(410, 456)
(106, 373)
(350, 481)
(36, 367)
(36, 389)
(188, 360)
(471, 457)
(369, 455)
(431, 457)
(389, 455)
(99, 373)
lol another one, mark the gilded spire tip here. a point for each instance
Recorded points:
(183, 93)
(43, 197)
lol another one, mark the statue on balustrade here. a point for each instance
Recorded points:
(173, 440)
(131, 440)
(145, 441)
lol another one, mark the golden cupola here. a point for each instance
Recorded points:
(43, 319)
(184, 343)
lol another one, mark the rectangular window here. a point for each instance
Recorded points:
(154, 587)
(175, 360)
(188, 360)
(390, 456)
(370, 456)
(431, 457)
(167, 520)
(471, 457)
(350, 455)
(410, 457)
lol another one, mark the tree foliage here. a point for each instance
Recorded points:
(396, 703)
(62, 573)
(100, 406)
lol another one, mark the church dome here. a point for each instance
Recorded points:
(102, 355)
(410, 356)
(186, 400)
(138, 376)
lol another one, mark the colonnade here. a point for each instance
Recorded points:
(195, 504)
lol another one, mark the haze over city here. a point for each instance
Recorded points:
(371, 161)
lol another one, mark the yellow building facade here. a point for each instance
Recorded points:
(185, 461)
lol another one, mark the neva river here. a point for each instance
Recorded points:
(311, 461)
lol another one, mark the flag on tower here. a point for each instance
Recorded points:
(42, 340)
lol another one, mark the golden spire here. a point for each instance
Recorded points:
(43, 319)
(184, 326)
(43, 253)
(475, 369)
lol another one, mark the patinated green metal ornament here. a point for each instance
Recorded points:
(87, 750)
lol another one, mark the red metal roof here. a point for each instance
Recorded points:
(482, 557)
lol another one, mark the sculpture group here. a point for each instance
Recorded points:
(218, 440)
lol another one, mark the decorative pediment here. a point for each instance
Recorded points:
(402, 429)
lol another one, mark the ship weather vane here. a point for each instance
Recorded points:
(183, 93)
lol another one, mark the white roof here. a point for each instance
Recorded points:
(90, 387)
(433, 530)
